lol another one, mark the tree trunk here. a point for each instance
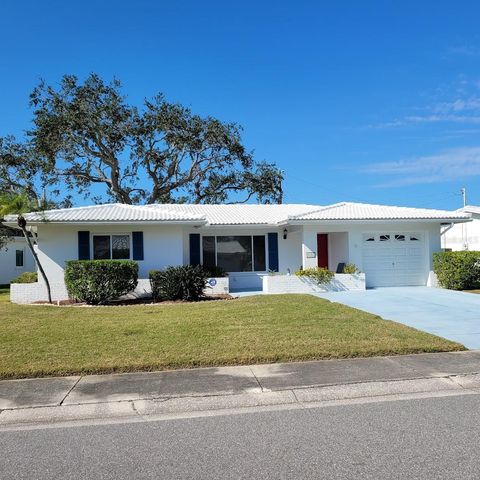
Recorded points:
(22, 224)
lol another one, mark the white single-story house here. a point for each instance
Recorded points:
(464, 236)
(393, 246)
(15, 259)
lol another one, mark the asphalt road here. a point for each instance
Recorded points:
(416, 439)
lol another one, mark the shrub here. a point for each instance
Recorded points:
(97, 281)
(350, 268)
(215, 272)
(178, 283)
(457, 270)
(318, 274)
(26, 277)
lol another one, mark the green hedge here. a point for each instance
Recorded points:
(178, 283)
(98, 281)
(26, 277)
(457, 270)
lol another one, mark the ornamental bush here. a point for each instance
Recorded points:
(351, 268)
(26, 277)
(318, 274)
(98, 281)
(184, 282)
(215, 272)
(457, 270)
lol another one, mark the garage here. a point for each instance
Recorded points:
(394, 259)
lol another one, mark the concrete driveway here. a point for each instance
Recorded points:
(449, 314)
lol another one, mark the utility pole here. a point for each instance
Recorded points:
(463, 192)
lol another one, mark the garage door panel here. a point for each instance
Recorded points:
(394, 259)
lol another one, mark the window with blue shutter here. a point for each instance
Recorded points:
(194, 249)
(84, 245)
(273, 252)
(137, 245)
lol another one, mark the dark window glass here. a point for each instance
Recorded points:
(208, 244)
(400, 238)
(120, 247)
(370, 239)
(259, 259)
(101, 247)
(234, 253)
(19, 258)
(384, 238)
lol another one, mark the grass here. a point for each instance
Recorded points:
(44, 340)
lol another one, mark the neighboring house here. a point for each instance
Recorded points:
(15, 258)
(392, 245)
(464, 236)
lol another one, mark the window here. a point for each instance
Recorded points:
(106, 247)
(235, 253)
(400, 238)
(259, 257)
(209, 251)
(384, 238)
(19, 258)
(120, 247)
(414, 238)
(370, 239)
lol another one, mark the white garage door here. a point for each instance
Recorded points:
(394, 259)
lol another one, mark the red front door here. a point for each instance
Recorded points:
(322, 250)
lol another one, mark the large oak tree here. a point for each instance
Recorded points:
(87, 134)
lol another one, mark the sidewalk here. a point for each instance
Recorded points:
(100, 396)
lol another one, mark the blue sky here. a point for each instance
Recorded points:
(362, 101)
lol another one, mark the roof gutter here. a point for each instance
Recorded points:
(372, 221)
(111, 222)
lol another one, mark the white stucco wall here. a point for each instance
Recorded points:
(169, 245)
(8, 269)
(289, 252)
(163, 246)
(463, 236)
(354, 239)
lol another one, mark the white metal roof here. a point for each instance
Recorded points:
(113, 212)
(240, 214)
(236, 214)
(470, 209)
(365, 211)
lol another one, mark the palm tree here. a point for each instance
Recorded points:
(19, 204)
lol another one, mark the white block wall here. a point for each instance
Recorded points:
(294, 284)
(36, 292)
(25, 293)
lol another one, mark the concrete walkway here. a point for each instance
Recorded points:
(449, 314)
(228, 381)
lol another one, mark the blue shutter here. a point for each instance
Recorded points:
(194, 249)
(273, 252)
(137, 245)
(84, 245)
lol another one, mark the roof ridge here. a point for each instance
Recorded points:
(321, 209)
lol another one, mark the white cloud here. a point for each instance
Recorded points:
(454, 164)
(458, 103)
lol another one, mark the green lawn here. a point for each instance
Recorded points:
(45, 340)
